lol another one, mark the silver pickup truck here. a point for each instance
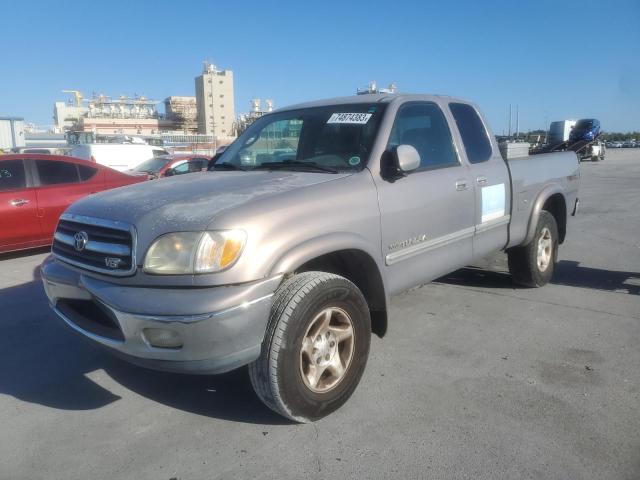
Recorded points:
(284, 255)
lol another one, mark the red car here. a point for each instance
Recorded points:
(36, 189)
(169, 165)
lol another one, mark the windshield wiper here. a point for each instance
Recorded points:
(286, 164)
(227, 166)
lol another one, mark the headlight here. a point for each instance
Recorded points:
(194, 252)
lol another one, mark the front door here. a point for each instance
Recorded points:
(428, 216)
(19, 225)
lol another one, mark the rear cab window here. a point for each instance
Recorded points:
(200, 163)
(12, 175)
(473, 132)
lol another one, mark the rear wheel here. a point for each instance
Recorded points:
(315, 348)
(532, 265)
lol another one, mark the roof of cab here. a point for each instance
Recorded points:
(369, 98)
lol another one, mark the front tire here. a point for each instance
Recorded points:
(315, 348)
(532, 265)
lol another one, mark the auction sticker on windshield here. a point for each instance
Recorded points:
(357, 118)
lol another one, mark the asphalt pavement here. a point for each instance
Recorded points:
(475, 379)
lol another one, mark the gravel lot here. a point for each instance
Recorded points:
(475, 379)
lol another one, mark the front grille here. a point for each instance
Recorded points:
(95, 244)
(91, 316)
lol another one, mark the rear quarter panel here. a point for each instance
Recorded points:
(534, 179)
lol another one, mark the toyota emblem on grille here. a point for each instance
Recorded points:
(80, 239)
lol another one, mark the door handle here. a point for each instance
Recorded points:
(18, 202)
(481, 180)
(461, 185)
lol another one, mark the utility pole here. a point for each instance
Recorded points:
(509, 121)
(517, 120)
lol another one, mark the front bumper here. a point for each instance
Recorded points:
(219, 328)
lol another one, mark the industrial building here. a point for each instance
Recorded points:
(11, 133)
(183, 112)
(215, 101)
(66, 115)
(246, 119)
(210, 112)
(125, 115)
(106, 115)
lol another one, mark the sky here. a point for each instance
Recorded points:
(554, 59)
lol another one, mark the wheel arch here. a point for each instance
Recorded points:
(552, 200)
(347, 256)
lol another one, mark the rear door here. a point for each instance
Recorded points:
(60, 185)
(427, 217)
(490, 176)
(19, 225)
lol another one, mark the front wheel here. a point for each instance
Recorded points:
(315, 348)
(532, 265)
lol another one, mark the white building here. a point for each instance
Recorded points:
(215, 101)
(65, 115)
(11, 133)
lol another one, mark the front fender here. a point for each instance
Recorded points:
(321, 245)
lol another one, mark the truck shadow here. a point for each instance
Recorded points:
(45, 363)
(568, 273)
(573, 274)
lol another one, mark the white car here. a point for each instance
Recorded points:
(118, 156)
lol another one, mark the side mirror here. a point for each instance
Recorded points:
(408, 158)
(169, 173)
(398, 162)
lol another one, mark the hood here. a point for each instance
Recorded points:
(190, 202)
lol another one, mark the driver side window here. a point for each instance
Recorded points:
(424, 127)
(181, 169)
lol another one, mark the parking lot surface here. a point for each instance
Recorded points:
(475, 379)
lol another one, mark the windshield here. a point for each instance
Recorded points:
(152, 165)
(330, 139)
(583, 125)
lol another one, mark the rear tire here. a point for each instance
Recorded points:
(532, 265)
(315, 348)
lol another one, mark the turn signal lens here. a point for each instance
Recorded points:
(218, 250)
(231, 250)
